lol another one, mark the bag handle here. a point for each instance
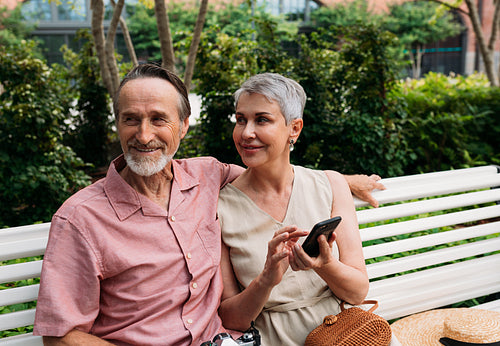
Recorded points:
(374, 302)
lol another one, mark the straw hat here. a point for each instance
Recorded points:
(461, 324)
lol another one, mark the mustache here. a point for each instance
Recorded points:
(150, 145)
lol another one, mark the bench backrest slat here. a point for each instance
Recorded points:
(462, 172)
(22, 340)
(17, 319)
(19, 295)
(20, 271)
(24, 248)
(430, 190)
(430, 240)
(416, 292)
(417, 279)
(427, 206)
(466, 173)
(430, 222)
(404, 264)
(24, 232)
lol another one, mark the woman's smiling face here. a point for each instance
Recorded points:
(261, 133)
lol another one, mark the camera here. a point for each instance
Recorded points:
(250, 338)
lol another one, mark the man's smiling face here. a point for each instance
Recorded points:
(148, 124)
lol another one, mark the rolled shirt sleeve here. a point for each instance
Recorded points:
(74, 272)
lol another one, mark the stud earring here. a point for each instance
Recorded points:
(291, 145)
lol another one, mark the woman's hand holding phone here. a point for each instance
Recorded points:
(299, 260)
(316, 251)
(327, 227)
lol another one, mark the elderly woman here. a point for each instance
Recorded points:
(265, 212)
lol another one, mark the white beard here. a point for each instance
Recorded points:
(147, 167)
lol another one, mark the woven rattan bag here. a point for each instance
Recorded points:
(352, 327)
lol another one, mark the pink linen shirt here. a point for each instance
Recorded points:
(120, 267)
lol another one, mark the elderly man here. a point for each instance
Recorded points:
(134, 258)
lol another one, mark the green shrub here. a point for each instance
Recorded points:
(356, 128)
(454, 122)
(37, 172)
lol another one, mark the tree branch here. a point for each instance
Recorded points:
(127, 38)
(97, 20)
(495, 26)
(110, 46)
(195, 42)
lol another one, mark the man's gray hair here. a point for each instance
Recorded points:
(289, 95)
(155, 71)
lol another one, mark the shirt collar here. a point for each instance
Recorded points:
(182, 179)
(126, 201)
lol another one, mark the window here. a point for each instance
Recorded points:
(37, 10)
(278, 7)
(74, 10)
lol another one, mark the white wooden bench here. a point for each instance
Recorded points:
(16, 243)
(457, 235)
(447, 272)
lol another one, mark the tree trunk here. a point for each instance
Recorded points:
(110, 47)
(97, 7)
(495, 33)
(486, 52)
(127, 38)
(166, 46)
(128, 42)
(420, 53)
(193, 48)
(413, 64)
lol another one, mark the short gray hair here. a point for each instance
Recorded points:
(290, 96)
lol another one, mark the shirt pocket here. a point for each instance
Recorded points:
(209, 235)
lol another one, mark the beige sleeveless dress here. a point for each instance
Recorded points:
(298, 304)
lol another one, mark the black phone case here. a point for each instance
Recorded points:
(311, 245)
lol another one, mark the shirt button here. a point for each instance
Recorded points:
(189, 256)
(189, 321)
(194, 285)
(172, 218)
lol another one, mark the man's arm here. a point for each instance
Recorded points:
(74, 337)
(70, 270)
(362, 186)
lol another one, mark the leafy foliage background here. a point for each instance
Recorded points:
(37, 171)
(56, 125)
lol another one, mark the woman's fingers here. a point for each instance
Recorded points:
(295, 235)
(286, 234)
(300, 260)
(325, 246)
(286, 229)
(280, 256)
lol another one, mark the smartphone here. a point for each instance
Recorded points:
(311, 245)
